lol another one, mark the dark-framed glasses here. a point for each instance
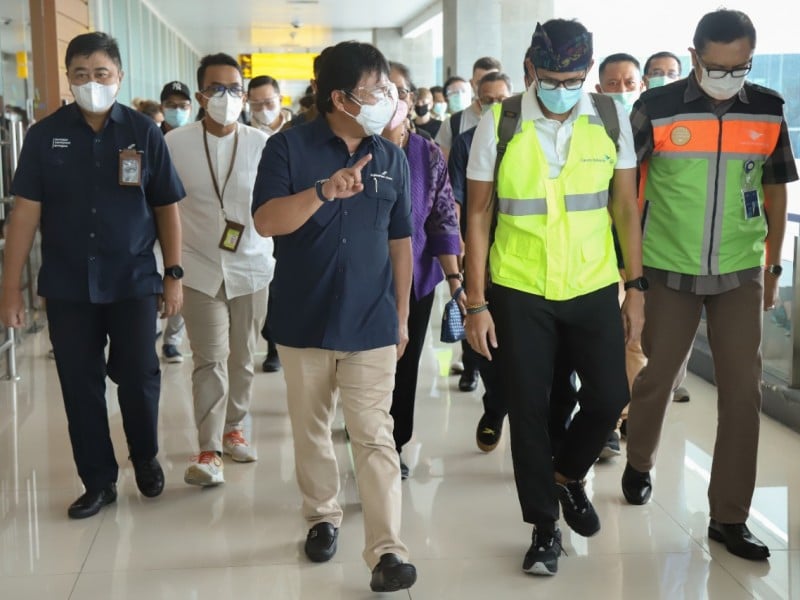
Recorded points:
(568, 84)
(715, 73)
(218, 90)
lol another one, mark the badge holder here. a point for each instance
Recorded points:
(130, 167)
(750, 199)
(232, 236)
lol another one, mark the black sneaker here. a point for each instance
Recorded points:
(488, 434)
(404, 471)
(611, 447)
(578, 511)
(542, 557)
(468, 382)
(171, 353)
(392, 574)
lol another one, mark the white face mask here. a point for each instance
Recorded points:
(375, 117)
(721, 89)
(265, 117)
(95, 97)
(225, 110)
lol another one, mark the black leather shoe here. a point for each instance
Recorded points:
(90, 503)
(404, 470)
(636, 486)
(468, 382)
(271, 364)
(321, 542)
(738, 540)
(149, 477)
(392, 574)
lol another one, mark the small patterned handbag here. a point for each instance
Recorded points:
(453, 321)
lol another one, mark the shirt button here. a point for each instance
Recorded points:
(345, 213)
(344, 240)
(97, 164)
(96, 140)
(91, 258)
(91, 235)
(94, 211)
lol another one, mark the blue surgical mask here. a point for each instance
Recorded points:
(458, 101)
(625, 98)
(176, 117)
(559, 100)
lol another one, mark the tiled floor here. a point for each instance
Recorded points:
(461, 518)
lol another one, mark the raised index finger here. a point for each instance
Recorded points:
(362, 163)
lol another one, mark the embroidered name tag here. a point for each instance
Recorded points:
(61, 143)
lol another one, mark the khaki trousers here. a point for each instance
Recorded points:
(223, 334)
(364, 382)
(734, 334)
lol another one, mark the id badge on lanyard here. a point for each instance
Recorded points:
(750, 199)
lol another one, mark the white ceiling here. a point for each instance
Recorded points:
(243, 26)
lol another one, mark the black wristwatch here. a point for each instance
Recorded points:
(175, 271)
(774, 269)
(640, 283)
(318, 186)
(458, 276)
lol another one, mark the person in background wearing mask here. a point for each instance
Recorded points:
(465, 109)
(493, 88)
(714, 196)
(264, 99)
(228, 265)
(439, 109)
(554, 277)
(423, 115)
(176, 104)
(620, 77)
(152, 109)
(660, 69)
(97, 176)
(336, 197)
(436, 243)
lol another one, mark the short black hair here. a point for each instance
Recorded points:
(343, 66)
(450, 81)
(87, 44)
(262, 80)
(723, 26)
(437, 89)
(487, 63)
(617, 58)
(213, 60)
(493, 77)
(405, 72)
(656, 56)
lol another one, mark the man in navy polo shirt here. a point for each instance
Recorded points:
(97, 177)
(335, 196)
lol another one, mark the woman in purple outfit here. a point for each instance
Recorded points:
(436, 244)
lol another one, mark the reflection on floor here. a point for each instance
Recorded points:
(461, 518)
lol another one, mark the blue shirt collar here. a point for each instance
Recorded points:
(117, 113)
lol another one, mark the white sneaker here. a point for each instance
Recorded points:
(204, 469)
(235, 445)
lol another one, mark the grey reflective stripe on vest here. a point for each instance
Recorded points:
(522, 208)
(538, 206)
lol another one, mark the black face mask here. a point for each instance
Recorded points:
(421, 109)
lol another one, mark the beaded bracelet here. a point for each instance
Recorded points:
(477, 309)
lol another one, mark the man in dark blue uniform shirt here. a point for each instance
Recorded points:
(97, 177)
(335, 196)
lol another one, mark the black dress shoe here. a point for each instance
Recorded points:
(392, 574)
(272, 363)
(149, 476)
(738, 540)
(636, 486)
(321, 542)
(90, 503)
(468, 382)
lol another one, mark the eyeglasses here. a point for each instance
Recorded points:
(179, 105)
(265, 103)
(403, 93)
(737, 72)
(568, 84)
(364, 95)
(671, 74)
(218, 91)
(455, 92)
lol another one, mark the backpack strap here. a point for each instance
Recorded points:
(608, 114)
(510, 117)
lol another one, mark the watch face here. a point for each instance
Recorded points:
(175, 272)
(776, 270)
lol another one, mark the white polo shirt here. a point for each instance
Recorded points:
(553, 135)
(206, 266)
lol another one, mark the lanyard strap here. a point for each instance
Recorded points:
(211, 168)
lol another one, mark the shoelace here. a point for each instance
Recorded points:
(577, 497)
(551, 541)
(206, 458)
(236, 438)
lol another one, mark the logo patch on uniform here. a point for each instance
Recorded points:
(680, 136)
(61, 143)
